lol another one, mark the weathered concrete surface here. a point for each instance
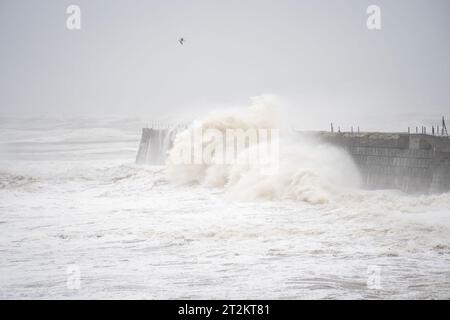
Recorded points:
(413, 163)
(154, 145)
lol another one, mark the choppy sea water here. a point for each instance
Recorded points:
(71, 196)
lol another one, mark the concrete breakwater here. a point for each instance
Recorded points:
(154, 145)
(156, 141)
(414, 163)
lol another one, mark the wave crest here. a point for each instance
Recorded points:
(306, 169)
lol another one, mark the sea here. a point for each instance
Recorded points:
(79, 219)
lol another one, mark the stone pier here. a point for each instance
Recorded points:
(414, 163)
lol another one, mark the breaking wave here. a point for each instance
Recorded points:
(306, 170)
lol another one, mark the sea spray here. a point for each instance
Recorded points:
(305, 169)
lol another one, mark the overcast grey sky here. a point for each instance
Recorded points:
(318, 55)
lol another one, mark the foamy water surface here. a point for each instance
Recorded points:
(70, 194)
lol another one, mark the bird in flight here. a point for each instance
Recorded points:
(181, 41)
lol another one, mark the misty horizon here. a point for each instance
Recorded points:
(319, 58)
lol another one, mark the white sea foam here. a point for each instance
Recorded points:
(305, 170)
(306, 231)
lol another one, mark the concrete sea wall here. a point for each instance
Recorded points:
(154, 145)
(413, 163)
